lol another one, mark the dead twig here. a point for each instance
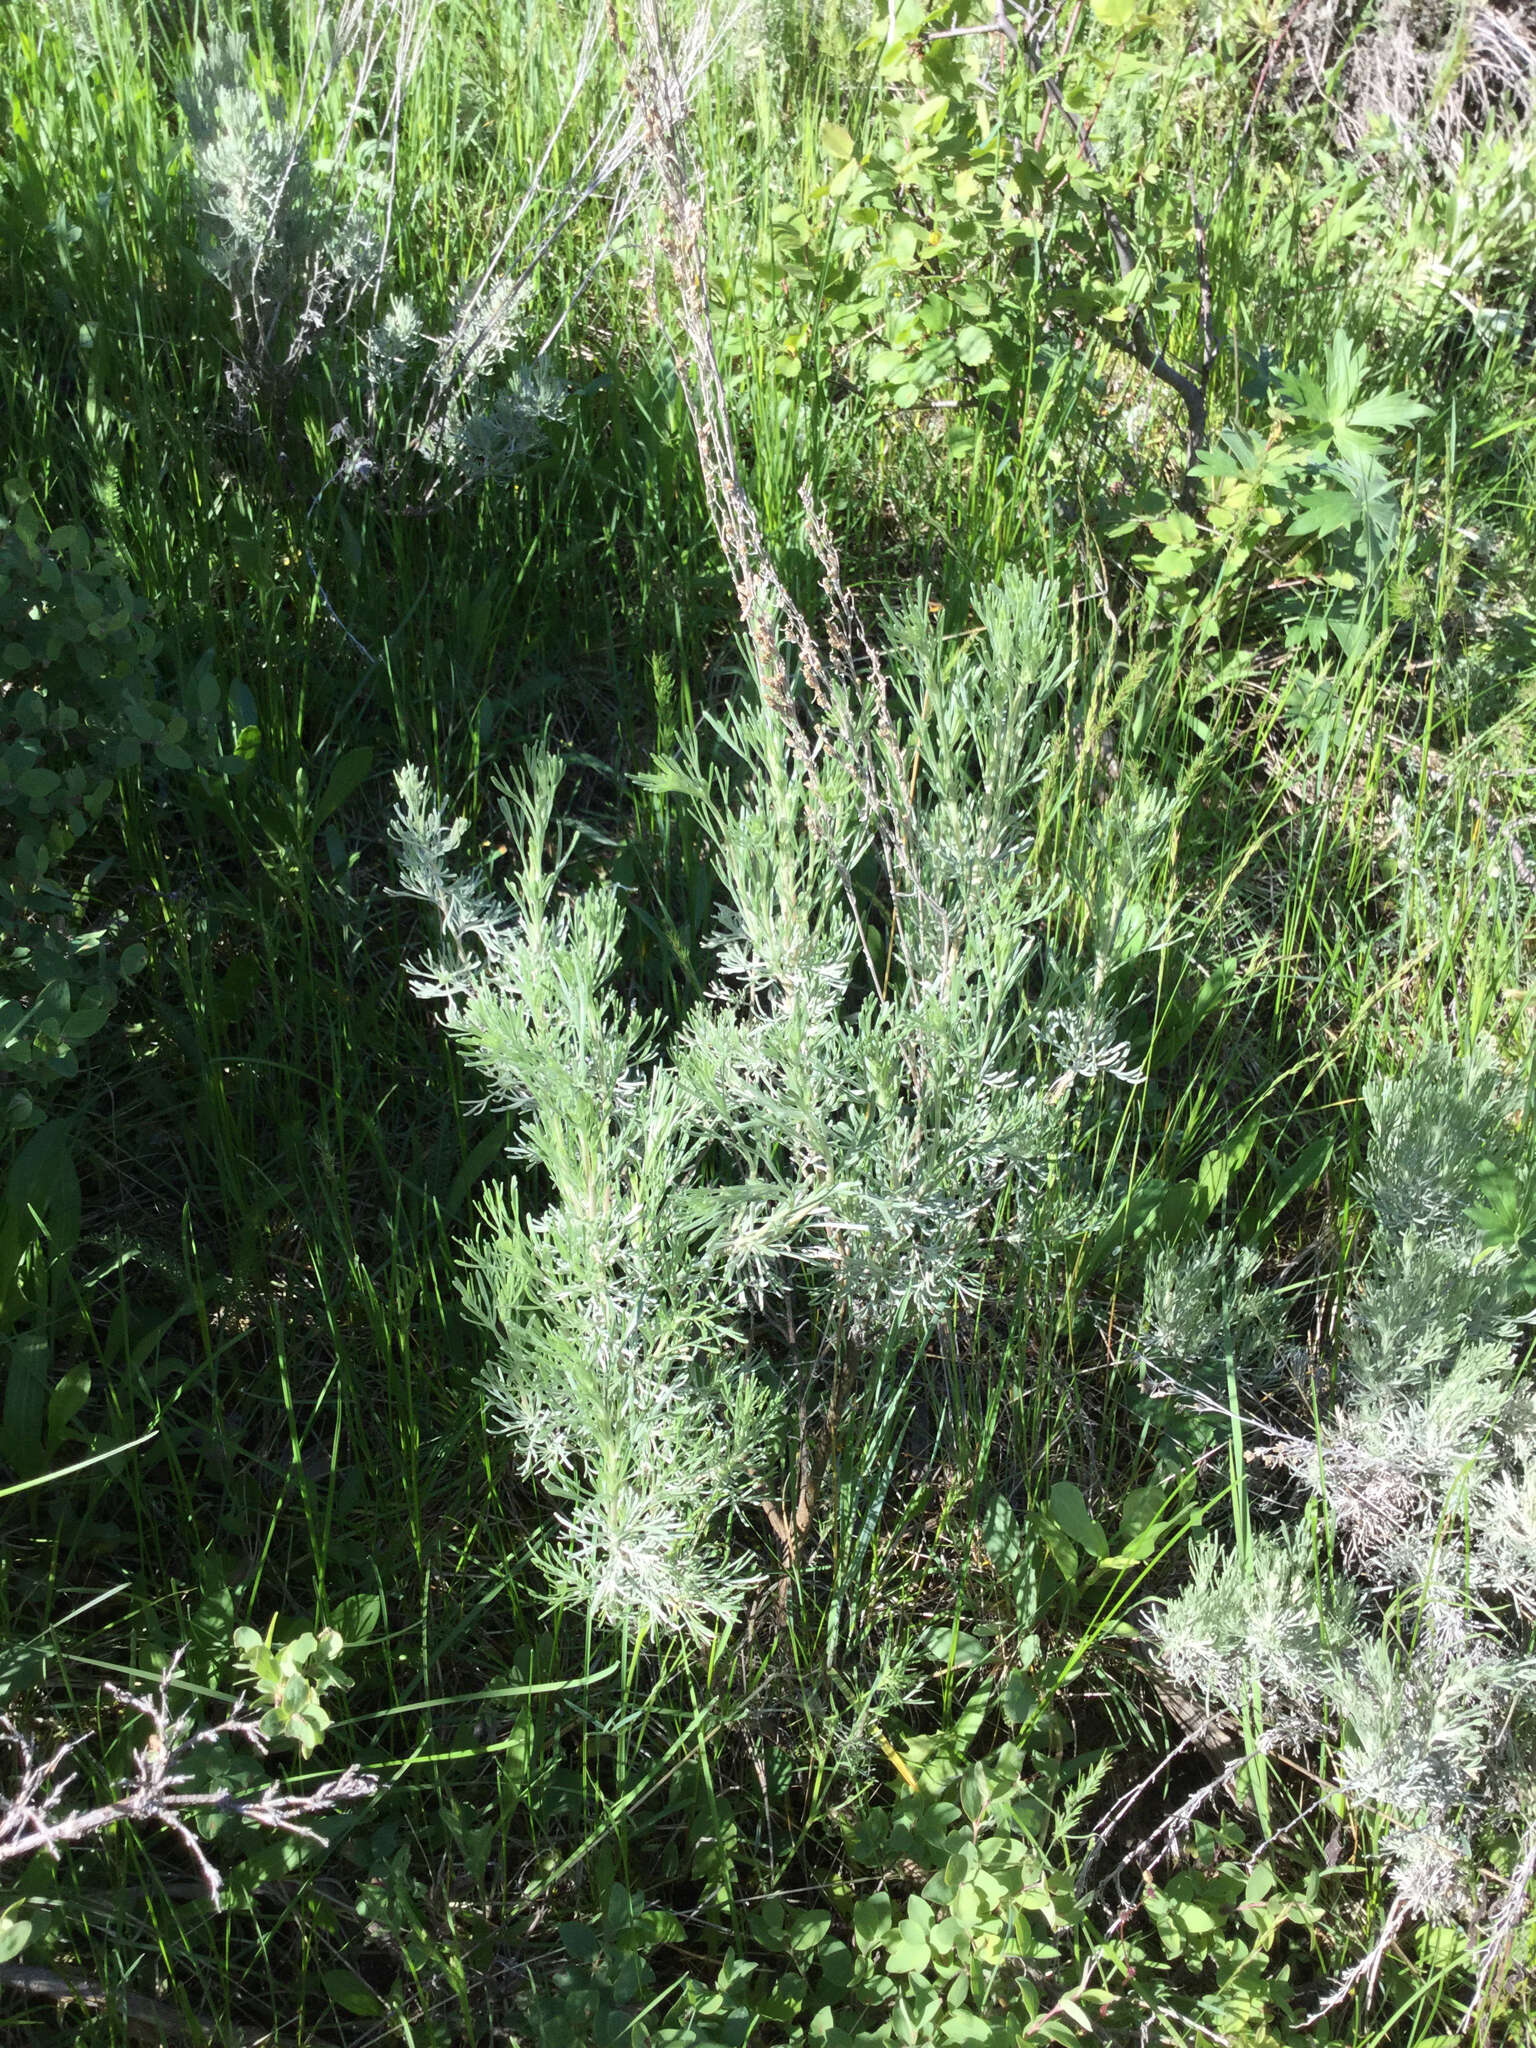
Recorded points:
(37, 1819)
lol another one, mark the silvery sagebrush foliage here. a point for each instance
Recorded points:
(301, 245)
(488, 436)
(1396, 1616)
(1200, 1310)
(855, 1118)
(862, 1107)
(614, 1369)
(291, 248)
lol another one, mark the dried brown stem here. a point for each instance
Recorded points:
(142, 2019)
(844, 672)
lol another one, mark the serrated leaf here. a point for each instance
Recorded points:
(1388, 410)
(1345, 373)
(973, 345)
(1324, 512)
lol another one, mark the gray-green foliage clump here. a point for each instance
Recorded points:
(1201, 1310)
(290, 246)
(302, 245)
(1396, 1617)
(838, 1138)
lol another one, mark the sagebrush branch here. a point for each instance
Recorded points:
(35, 1816)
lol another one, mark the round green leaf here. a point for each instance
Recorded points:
(907, 1955)
(15, 1932)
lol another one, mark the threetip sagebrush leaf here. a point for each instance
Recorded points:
(824, 1131)
(1351, 1624)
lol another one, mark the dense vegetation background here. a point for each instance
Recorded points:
(1116, 425)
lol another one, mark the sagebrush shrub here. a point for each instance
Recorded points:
(301, 247)
(290, 246)
(871, 1102)
(1396, 1619)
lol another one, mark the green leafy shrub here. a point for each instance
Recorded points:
(1309, 500)
(870, 1105)
(971, 231)
(291, 1677)
(83, 707)
(958, 1915)
(203, 1778)
(953, 1952)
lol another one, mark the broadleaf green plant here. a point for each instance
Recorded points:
(958, 1916)
(290, 1678)
(84, 706)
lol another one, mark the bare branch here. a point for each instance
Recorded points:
(36, 1819)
